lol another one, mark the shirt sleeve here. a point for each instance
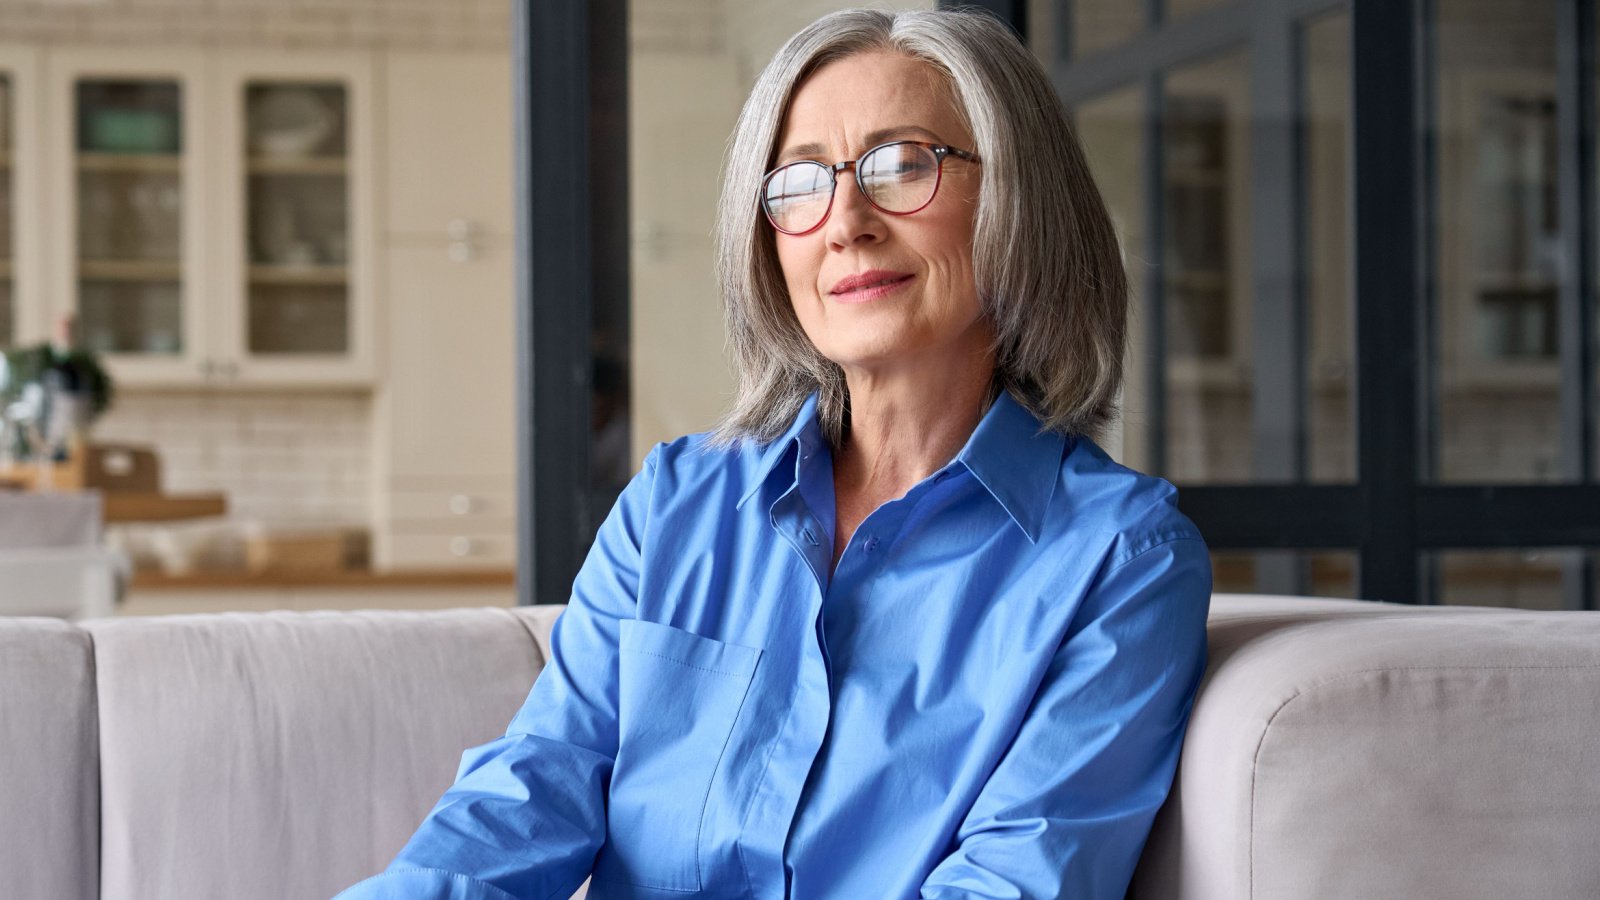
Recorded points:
(526, 814)
(1067, 809)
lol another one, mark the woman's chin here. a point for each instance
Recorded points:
(873, 357)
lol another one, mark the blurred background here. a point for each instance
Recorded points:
(259, 285)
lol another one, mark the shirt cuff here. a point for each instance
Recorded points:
(423, 884)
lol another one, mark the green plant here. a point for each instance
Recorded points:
(27, 365)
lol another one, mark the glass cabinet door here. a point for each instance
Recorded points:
(129, 185)
(297, 218)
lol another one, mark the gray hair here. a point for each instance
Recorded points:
(1045, 256)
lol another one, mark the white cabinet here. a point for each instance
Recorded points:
(445, 415)
(22, 312)
(210, 213)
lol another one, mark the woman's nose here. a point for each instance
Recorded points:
(853, 220)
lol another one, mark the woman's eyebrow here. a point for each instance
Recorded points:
(800, 152)
(882, 135)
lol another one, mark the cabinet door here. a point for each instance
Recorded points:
(445, 414)
(447, 407)
(295, 275)
(22, 313)
(447, 135)
(129, 230)
(446, 410)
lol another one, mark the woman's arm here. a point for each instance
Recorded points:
(1068, 807)
(526, 815)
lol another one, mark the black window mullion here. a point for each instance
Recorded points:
(562, 52)
(1429, 439)
(1383, 111)
(1575, 116)
(1153, 302)
(1509, 516)
(1276, 516)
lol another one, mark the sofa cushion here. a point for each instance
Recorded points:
(289, 755)
(1356, 750)
(49, 793)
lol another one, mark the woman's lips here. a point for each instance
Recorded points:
(869, 286)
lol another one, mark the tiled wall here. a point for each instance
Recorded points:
(441, 24)
(280, 457)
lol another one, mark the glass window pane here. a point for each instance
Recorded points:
(1045, 18)
(1497, 262)
(1112, 130)
(1206, 261)
(297, 217)
(1178, 8)
(1102, 24)
(1330, 334)
(1531, 578)
(130, 194)
(1320, 573)
(8, 313)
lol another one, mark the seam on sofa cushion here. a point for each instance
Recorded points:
(99, 754)
(1255, 760)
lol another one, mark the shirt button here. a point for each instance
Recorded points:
(871, 544)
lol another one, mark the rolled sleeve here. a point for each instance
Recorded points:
(527, 813)
(1067, 809)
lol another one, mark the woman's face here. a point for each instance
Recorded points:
(929, 306)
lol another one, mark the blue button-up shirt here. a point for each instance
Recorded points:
(984, 699)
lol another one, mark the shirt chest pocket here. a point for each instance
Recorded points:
(679, 697)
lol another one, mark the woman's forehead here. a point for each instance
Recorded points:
(847, 105)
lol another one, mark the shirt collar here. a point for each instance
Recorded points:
(1016, 461)
(1011, 456)
(805, 431)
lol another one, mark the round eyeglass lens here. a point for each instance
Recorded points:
(899, 178)
(797, 196)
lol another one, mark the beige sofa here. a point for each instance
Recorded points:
(1337, 750)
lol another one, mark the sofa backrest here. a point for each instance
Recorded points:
(289, 755)
(49, 789)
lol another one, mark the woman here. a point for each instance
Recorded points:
(898, 628)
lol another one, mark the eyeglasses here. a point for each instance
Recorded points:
(898, 178)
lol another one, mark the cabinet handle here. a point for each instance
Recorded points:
(460, 546)
(208, 368)
(463, 234)
(461, 504)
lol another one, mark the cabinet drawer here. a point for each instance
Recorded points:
(445, 506)
(444, 550)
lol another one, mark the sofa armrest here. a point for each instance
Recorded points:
(1344, 749)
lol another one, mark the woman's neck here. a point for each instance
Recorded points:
(904, 425)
